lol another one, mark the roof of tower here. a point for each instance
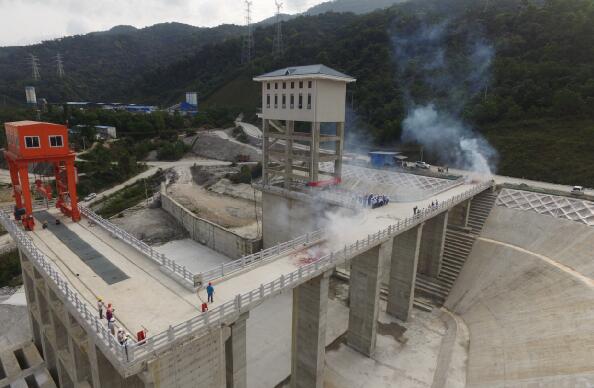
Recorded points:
(311, 71)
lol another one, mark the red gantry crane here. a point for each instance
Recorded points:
(34, 142)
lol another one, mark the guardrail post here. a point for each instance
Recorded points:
(261, 290)
(307, 238)
(170, 333)
(238, 302)
(278, 249)
(282, 281)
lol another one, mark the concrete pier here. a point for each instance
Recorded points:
(366, 274)
(458, 215)
(403, 271)
(432, 243)
(310, 306)
(235, 354)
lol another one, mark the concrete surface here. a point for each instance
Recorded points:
(526, 294)
(195, 256)
(406, 355)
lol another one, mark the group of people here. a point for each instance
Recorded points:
(434, 205)
(122, 337)
(374, 201)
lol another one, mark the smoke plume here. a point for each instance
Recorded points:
(436, 99)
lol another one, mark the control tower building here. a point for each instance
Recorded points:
(303, 113)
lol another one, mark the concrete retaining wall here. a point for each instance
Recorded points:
(210, 234)
(526, 294)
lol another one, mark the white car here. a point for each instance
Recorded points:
(90, 197)
(577, 190)
(423, 165)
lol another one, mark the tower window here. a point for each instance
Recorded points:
(268, 85)
(268, 101)
(292, 101)
(292, 84)
(309, 84)
(276, 101)
(276, 85)
(56, 141)
(300, 84)
(32, 141)
(284, 85)
(300, 101)
(284, 101)
(308, 100)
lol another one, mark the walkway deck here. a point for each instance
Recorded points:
(163, 301)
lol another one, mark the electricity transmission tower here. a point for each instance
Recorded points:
(34, 62)
(277, 43)
(248, 40)
(60, 66)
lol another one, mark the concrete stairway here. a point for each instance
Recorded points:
(458, 244)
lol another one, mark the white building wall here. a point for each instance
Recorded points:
(327, 97)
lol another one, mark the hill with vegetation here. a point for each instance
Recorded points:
(534, 98)
(102, 66)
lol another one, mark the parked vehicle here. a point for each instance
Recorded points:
(90, 197)
(423, 165)
(578, 190)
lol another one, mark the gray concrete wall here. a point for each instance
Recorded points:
(432, 245)
(310, 308)
(527, 297)
(210, 234)
(287, 218)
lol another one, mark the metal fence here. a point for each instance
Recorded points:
(227, 312)
(264, 256)
(71, 298)
(178, 270)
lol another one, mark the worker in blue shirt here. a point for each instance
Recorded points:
(210, 292)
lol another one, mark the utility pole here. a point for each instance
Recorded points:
(34, 62)
(60, 66)
(248, 39)
(277, 43)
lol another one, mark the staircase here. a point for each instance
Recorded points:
(458, 244)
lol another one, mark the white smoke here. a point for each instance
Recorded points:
(435, 123)
(444, 135)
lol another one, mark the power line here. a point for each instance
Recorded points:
(60, 66)
(34, 63)
(248, 40)
(277, 43)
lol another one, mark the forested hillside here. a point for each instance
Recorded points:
(102, 65)
(511, 69)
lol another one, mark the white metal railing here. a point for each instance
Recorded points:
(264, 256)
(142, 247)
(244, 302)
(87, 314)
(227, 312)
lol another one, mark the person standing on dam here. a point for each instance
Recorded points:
(210, 293)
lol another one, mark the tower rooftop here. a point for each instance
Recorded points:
(310, 71)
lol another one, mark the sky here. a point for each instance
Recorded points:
(31, 21)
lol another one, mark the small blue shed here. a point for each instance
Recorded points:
(380, 159)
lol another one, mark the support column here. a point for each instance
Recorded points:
(235, 354)
(432, 243)
(289, 128)
(310, 306)
(366, 273)
(71, 174)
(339, 150)
(314, 150)
(26, 191)
(265, 150)
(459, 214)
(403, 271)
